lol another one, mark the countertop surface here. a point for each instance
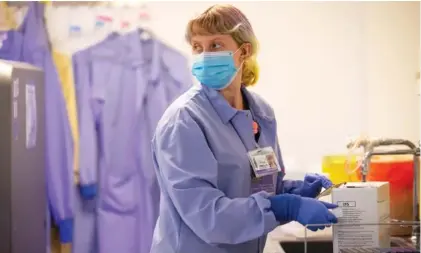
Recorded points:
(294, 231)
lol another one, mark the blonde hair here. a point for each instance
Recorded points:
(227, 19)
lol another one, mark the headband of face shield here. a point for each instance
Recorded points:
(215, 70)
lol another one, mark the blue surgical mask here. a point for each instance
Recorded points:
(215, 70)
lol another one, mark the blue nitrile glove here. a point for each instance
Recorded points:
(312, 185)
(306, 211)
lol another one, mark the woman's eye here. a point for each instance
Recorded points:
(197, 48)
(216, 46)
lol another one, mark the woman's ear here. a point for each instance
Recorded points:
(246, 51)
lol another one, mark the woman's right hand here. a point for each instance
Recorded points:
(306, 211)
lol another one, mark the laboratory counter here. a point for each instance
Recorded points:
(290, 238)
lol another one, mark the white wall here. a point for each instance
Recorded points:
(331, 70)
(393, 42)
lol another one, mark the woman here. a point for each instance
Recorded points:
(219, 194)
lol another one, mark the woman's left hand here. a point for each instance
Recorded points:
(313, 184)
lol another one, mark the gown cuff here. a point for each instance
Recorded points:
(66, 230)
(88, 191)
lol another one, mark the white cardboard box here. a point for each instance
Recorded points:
(367, 202)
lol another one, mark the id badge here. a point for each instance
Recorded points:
(264, 162)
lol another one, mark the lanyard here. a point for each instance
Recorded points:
(239, 135)
(250, 111)
(245, 145)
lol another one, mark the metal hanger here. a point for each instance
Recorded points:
(145, 33)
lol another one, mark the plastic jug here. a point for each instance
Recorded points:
(336, 167)
(399, 172)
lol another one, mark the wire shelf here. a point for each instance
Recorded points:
(366, 237)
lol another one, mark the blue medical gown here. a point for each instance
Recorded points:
(30, 44)
(124, 85)
(209, 202)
